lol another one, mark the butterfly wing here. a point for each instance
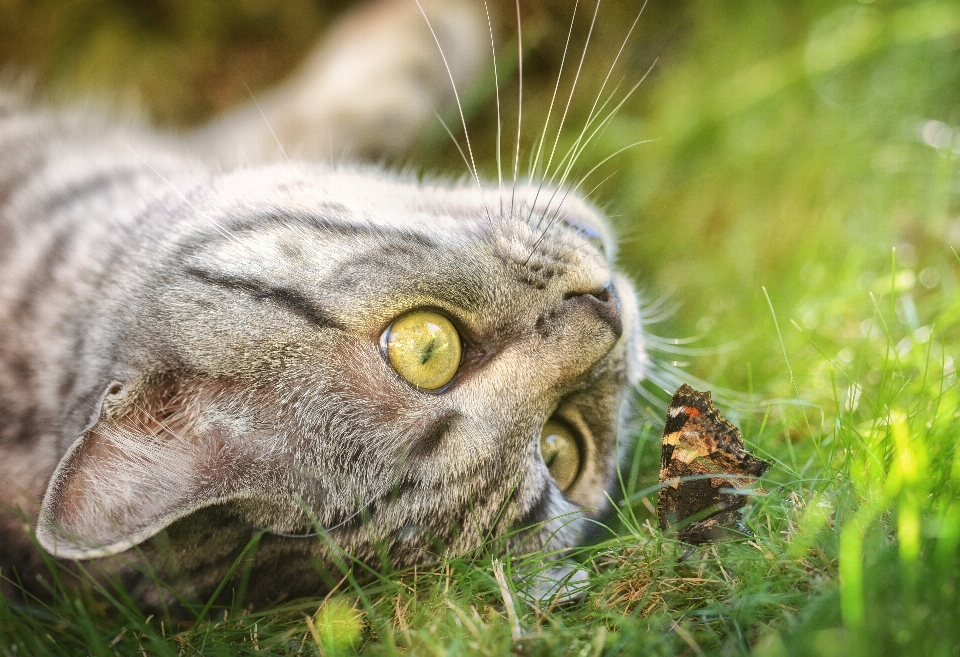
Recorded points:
(703, 466)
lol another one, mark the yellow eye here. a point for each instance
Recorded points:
(561, 452)
(424, 348)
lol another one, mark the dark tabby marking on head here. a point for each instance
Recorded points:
(191, 349)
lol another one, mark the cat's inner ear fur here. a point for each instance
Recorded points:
(152, 457)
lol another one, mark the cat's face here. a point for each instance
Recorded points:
(374, 358)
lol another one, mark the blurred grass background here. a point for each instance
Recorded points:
(798, 201)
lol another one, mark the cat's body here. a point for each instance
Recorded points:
(193, 352)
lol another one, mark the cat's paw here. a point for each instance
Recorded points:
(565, 581)
(369, 89)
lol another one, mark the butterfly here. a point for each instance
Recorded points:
(703, 471)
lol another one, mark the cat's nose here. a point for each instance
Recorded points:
(604, 304)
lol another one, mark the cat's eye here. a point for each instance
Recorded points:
(424, 348)
(561, 452)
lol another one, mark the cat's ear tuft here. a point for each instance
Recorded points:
(140, 467)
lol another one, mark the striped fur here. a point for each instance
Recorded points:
(189, 354)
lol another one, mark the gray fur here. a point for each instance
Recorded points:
(190, 353)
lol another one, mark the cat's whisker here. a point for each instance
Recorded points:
(578, 149)
(612, 155)
(586, 137)
(570, 158)
(531, 173)
(659, 339)
(462, 155)
(556, 214)
(657, 405)
(216, 226)
(496, 86)
(573, 88)
(556, 88)
(267, 122)
(516, 150)
(657, 310)
(669, 377)
(583, 139)
(573, 188)
(594, 109)
(670, 347)
(661, 314)
(600, 184)
(472, 166)
(566, 110)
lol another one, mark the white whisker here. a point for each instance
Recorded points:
(574, 188)
(658, 311)
(472, 166)
(577, 149)
(269, 127)
(599, 184)
(553, 99)
(616, 60)
(459, 149)
(516, 153)
(576, 80)
(220, 229)
(586, 137)
(496, 86)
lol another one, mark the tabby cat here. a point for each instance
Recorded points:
(219, 342)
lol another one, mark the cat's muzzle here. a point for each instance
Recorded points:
(606, 305)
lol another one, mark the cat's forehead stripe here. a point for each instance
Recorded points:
(375, 199)
(285, 297)
(368, 198)
(326, 225)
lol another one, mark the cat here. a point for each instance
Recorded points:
(220, 346)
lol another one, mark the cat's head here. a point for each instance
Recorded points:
(409, 367)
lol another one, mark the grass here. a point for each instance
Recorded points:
(801, 206)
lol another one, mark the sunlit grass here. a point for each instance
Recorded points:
(800, 201)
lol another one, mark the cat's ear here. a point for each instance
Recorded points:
(141, 466)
